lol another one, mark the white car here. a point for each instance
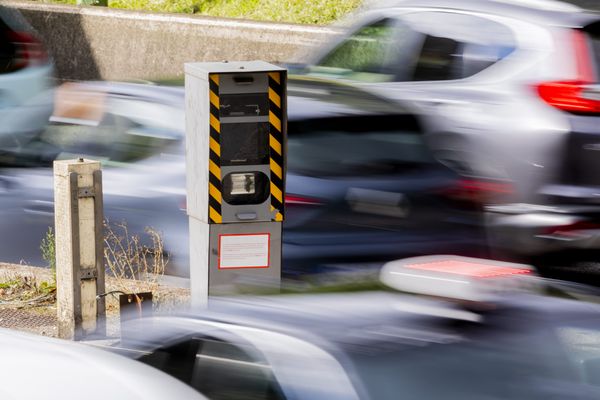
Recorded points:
(37, 367)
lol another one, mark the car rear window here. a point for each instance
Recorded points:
(363, 56)
(121, 131)
(456, 46)
(356, 145)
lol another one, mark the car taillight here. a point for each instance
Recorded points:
(29, 50)
(301, 200)
(571, 94)
(573, 229)
(478, 192)
(460, 279)
(568, 96)
(469, 268)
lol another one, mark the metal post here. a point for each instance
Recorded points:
(79, 248)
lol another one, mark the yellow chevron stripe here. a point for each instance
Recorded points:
(276, 192)
(214, 192)
(276, 169)
(274, 97)
(275, 76)
(214, 169)
(214, 216)
(214, 78)
(274, 121)
(214, 146)
(214, 122)
(275, 144)
(214, 99)
(278, 215)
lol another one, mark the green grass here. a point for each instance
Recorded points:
(296, 11)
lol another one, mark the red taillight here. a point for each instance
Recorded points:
(569, 95)
(572, 229)
(301, 200)
(29, 50)
(475, 191)
(470, 269)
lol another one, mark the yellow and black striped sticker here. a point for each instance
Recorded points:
(276, 143)
(214, 177)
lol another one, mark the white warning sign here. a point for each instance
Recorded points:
(244, 251)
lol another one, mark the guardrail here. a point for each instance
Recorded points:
(96, 42)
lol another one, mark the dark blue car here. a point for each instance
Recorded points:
(363, 184)
(361, 181)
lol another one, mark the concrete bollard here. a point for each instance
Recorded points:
(78, 213)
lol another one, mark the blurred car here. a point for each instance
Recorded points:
(506, 343)
(361, 182)
(136, 131)
(510, 92)
(26, 72)
(36, 367)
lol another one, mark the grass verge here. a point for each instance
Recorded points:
(294, 11)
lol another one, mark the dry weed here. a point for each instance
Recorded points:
(129, 257)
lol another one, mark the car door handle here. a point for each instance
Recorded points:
(370, 201)
(39, 207)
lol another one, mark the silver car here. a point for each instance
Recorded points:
(137, 133)
(509, 91)
(501, 341)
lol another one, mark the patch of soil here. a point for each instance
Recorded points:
(28, 302)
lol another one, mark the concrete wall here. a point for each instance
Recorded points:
(96, 42)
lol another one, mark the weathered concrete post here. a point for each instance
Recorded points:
(78, 214)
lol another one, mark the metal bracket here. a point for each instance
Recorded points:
(89, 273)
(83, 192)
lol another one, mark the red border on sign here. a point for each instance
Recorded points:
(247, 234)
